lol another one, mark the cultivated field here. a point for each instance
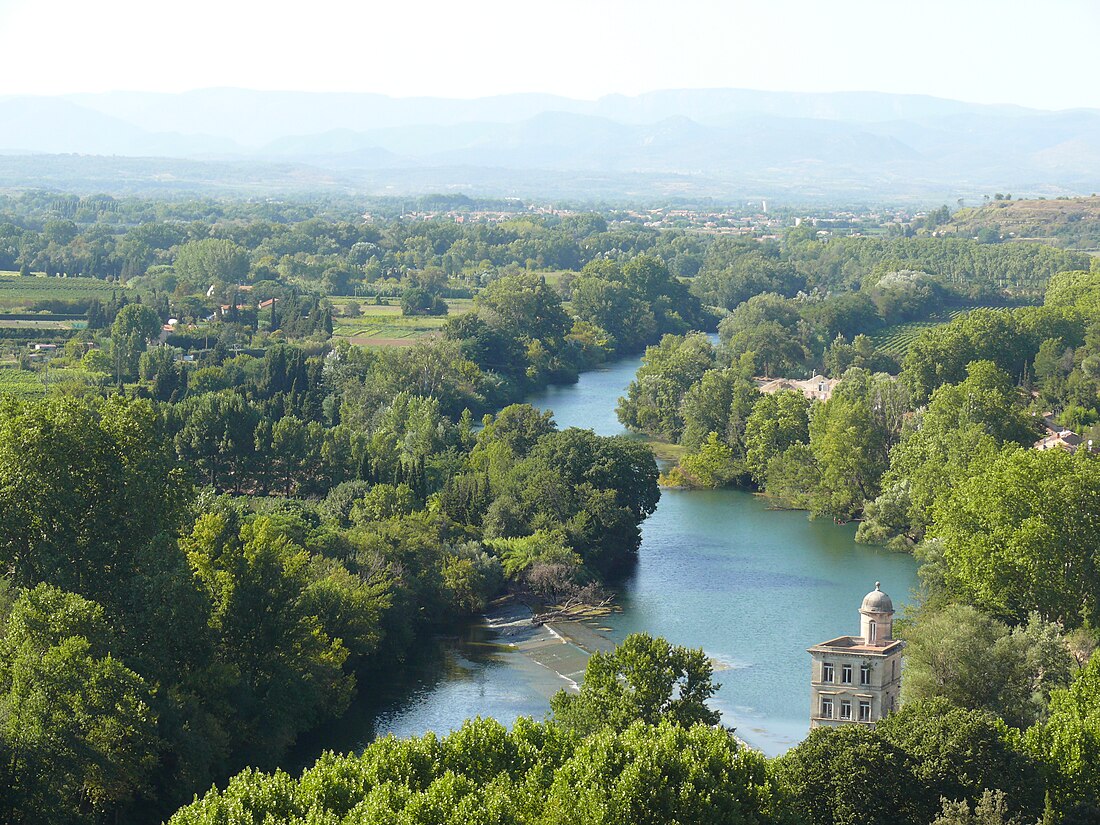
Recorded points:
(895, 340)
(21, 383)
(385, 326)
(40, 323)
(16, 291)
(390, 326)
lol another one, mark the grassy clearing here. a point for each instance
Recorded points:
(666, 449)
(457, 306)
(382, 326)
(554, 276)
(365, 308)
(387, 325)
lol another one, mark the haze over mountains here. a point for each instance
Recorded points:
(718, 143)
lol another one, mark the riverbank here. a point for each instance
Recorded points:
(562, 647)
(717, 569)
(754, 587)
(549, 645)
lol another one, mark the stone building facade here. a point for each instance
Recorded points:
(857, 679)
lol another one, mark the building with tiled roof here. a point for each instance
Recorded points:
(816, 388)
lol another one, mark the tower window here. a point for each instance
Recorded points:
(826, 707)
(865, 674)
(826, 671)
(846, 674)
(872, 631)
(864, 711)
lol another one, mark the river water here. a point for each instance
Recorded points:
(717, 569)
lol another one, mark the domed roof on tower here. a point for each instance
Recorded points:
(877, 602)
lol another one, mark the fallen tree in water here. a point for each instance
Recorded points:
(576, 609)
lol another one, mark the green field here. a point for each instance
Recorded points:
(895, 340)
(27, 384)
(21, 383)
(386, 326)
(554, 276)
(340, 302)
(44, 323)
(18, 292)
(457, 306)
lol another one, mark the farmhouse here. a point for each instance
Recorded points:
(1060, 438)
(816, 388)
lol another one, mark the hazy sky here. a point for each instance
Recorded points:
(1032, 52)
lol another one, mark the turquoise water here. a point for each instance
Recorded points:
(754, 588)
(446, 681)
(751, 586)
(718, 570)
(590, 403)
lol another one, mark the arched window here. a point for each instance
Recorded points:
(872, 633)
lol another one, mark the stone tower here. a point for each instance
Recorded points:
(856, 679)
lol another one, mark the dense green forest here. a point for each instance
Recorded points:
(224, 512)
(936, 456)
(638, 745)
(145, 656)
(887, 442)
(317, 244)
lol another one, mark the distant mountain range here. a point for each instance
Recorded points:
(722, 143)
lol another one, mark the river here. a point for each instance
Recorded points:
(717, 569)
